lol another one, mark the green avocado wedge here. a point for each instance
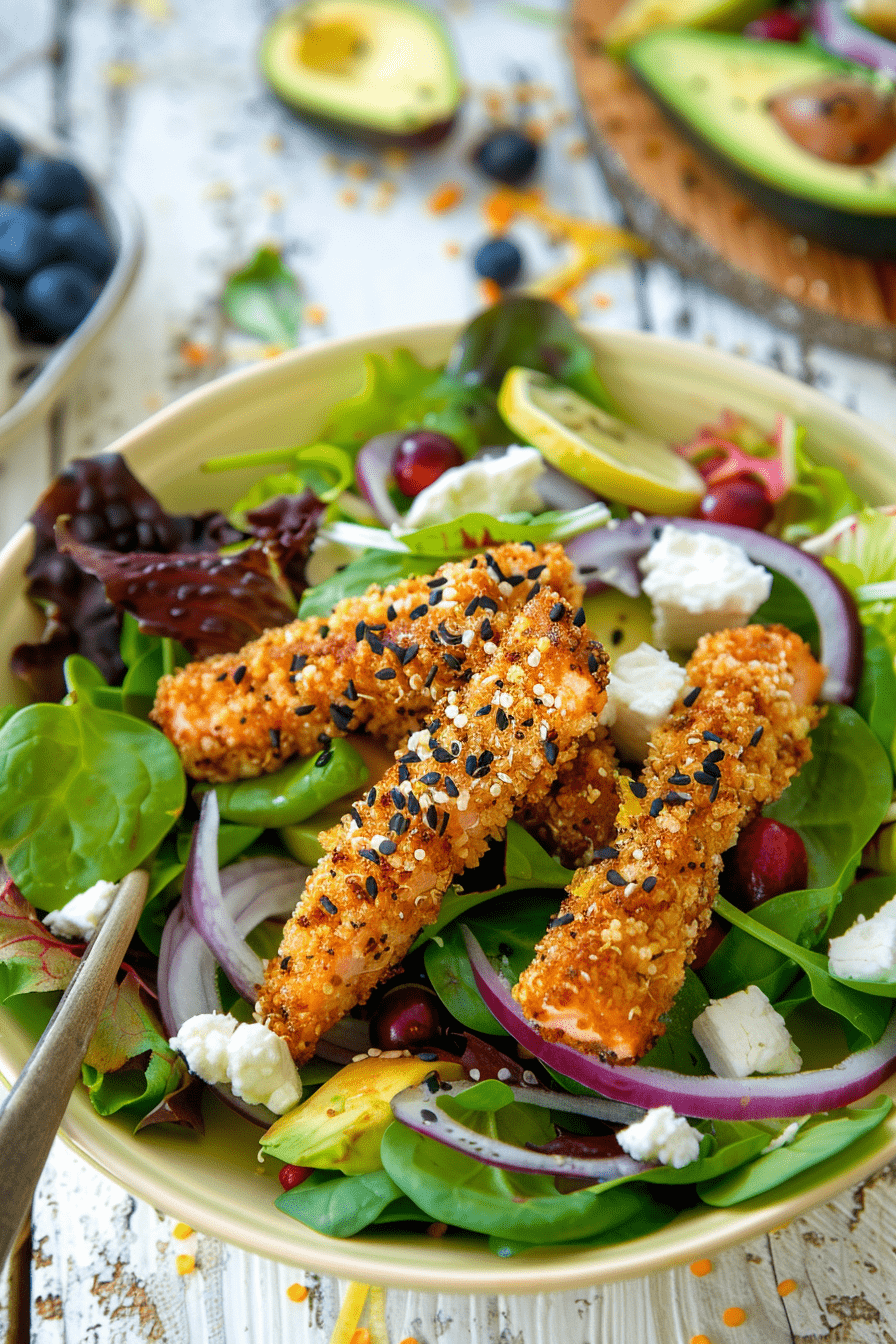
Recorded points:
(381, 72)
(716, 87)
(639, 17)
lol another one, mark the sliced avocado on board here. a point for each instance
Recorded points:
(640, 17)
(382, 72)
(717, 89)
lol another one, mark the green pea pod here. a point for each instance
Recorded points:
(297, 791)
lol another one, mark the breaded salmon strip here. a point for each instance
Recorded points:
(496, 739)
(379, 662)
(578, 813)
(613, 958)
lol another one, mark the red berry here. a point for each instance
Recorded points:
(778, 25)
(709, 940)
(741, 501)
(407, 1015)
(421, 457)
(769, 858)
(291, 1176)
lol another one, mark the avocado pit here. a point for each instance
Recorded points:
(838, 119)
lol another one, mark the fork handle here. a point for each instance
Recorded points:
(33, 1111)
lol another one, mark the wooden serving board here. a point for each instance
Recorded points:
(708, 228)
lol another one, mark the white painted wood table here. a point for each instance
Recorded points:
(165, 93)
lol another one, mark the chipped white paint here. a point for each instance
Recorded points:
(167, 95)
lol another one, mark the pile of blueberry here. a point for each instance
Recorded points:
(510, 157)
(55, 254)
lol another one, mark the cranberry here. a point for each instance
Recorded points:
(407, 1015)
(290, 1176)
(741, 501)
(709, 940)
(769, 858)
(421, 457)
(777, 25)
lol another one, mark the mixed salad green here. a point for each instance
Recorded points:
(90, 789)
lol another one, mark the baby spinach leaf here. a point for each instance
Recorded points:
(451, 976)
(678, 1049)
(876, 696)
(379, 567)
(263, 299)
(652, 1216)
(86, 795)
(297, 790)
(821, 1137)
(862, 898)
(340, 1206)
(801, 916)
(840, 797)
(788, 605)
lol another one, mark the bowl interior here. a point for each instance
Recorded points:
(215, 1184)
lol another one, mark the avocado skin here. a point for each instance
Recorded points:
(356, 133)
(864, 235)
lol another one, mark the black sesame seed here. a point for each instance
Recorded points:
(579, 618)
(323, 631)
(691, 696)
(471, 765)
(472, 607)
(711, 737)
(381, 626)
(410, 654)
(754, 740)
(447, 635)
(223, 677)
(616, 878)
(376, 645)
(385, 674)
(608, 852)
(485, 629)
(431, 675)
(431, 817)
(418, 612)
(274, 735)
(360, 628)
(701, 777)
(342, 716)
(533, 592)
(679, 778)
(593, 663)
(480, 713)
(409, 758)
(429, 1117)
(494, 566)
(388, 846)
(501, 720)
(397, 798)
(431, 777)
(371, 886)
(285, 963)
(486, 758)
(398, 824)
(427, 1056)
(536, 571)
(413, 805)
(648, 884)
(356, 816)
(637, 788)
(305, 709)
(391, 613)
(328, 905)
(403, 774)
(371, 798)
(656, 807)
(672, 799)
(551, 752)
(446, 817)
(558, 921)
(438, 582)
(714, 791)
(616, 637)
(450, 661)
(324, 759)
(441, 755)
(451, 788)
(711, 769)
(239, 673)
(435, 597)
(713, 756)
(556, 611)
(488, 604)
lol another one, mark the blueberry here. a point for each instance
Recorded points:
(10, 152)
(26, 242)
(59, 297)
(49, 184)
(500, 260)
(81, 237)
(507, 155)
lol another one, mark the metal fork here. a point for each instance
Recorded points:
(33, 1111)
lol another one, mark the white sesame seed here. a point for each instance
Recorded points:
(495, 790)
(504, 1074)
(356, 1059)
(461, 721)
(489, 648)
(534, 658)
(467, 638)
(538, 689)
(451, 711)
(449, 594)
(475, 1075)
(505, 588)
(374, 1053)
(631, 889)
(419, 855)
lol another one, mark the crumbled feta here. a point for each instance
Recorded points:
(786, 1136)
(79, 917)
(254, 1060)
(497, 485)
(867, 950)
(662, 1136)
(742, 1034)
(699, 583)
(644, 685)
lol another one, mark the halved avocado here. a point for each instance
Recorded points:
(717, 89)
(380, 71)
(637, 18)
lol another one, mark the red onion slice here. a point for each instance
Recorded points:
(841, 34)
(608, 557)
(417, 1107)
(373, 470)
(701, 1097)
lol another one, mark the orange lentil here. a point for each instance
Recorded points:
(194, 354)
(536, 130)
(361, 1336)
(358, 169)
(185, 1264)
(348, 197)
(579, 149)
(699, 1339)
(602, 301)
(781, 1227)
(489, 291)
(437, 1229)
(786, 1287)
(701, 1267)
(494, 103)
(182, 1231)
(734, 1315)
(499, 211)
(315, 315)
(445, 198)
(452, 249)
(409, 1339)
(297, 1292)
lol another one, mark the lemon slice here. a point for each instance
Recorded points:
(595, 448)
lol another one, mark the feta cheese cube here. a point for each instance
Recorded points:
(787, 1135)
(662, 1136)
(78, 918)
(867, 950)
(643, 687)
(699, 583)
(254, 1060)
(742, 1034)
(496, 485)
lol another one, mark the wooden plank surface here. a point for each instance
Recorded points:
(165, 92)
(707, 226)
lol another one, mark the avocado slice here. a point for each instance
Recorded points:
(639, 17)
(717, 88)
(380, 71)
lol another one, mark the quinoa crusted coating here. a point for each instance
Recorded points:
(613, 958)
(454, 787)
(578, 813)
(378, 663)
